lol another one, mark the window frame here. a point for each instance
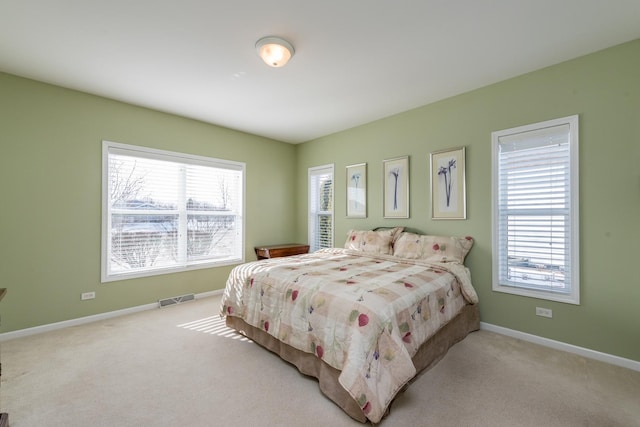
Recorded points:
(312, 223)
(572, 295)
(179, 158)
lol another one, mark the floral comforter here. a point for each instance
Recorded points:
(364, 315)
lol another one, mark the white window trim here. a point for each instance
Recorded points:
(574, 296)
(162, 154)
(311, 221)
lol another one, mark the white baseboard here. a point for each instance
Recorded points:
(558, 345)
(88, 319)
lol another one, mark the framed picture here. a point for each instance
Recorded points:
(396, 187)
(448, 198)
(357, 191)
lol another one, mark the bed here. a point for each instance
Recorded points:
(365, 319)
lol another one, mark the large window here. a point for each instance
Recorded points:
(164, 212)
(535, 210)
(321, 207)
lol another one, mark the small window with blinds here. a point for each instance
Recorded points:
(164, 212)
(535, 210)
(320, 207)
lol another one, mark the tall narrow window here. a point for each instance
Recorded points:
(321, 207)
(535, 210)
(165, 212)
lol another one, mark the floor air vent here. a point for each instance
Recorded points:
(176, 300)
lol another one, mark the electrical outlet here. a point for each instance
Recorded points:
(87, 295)
(544, 312)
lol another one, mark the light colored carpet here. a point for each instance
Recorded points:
(179, 366)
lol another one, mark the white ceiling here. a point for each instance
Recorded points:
(356, 60)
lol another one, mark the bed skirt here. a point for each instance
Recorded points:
(430, 353)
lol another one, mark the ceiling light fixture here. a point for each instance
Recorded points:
(274, 51)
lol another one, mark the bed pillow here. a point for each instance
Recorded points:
(372, 241)
(395, 231)
(432, 248)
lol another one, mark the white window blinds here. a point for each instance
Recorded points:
(321, 207)
(164, 211)
(535, 210)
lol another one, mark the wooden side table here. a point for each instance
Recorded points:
(4, 417)
(275, 251)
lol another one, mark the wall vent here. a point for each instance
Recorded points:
(176, 300)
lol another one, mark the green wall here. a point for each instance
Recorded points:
(604, 89)
(50, 198)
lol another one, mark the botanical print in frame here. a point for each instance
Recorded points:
(357, 191)
(396, 187)
(448, 193)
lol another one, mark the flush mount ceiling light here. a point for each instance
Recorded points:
(274, 51)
